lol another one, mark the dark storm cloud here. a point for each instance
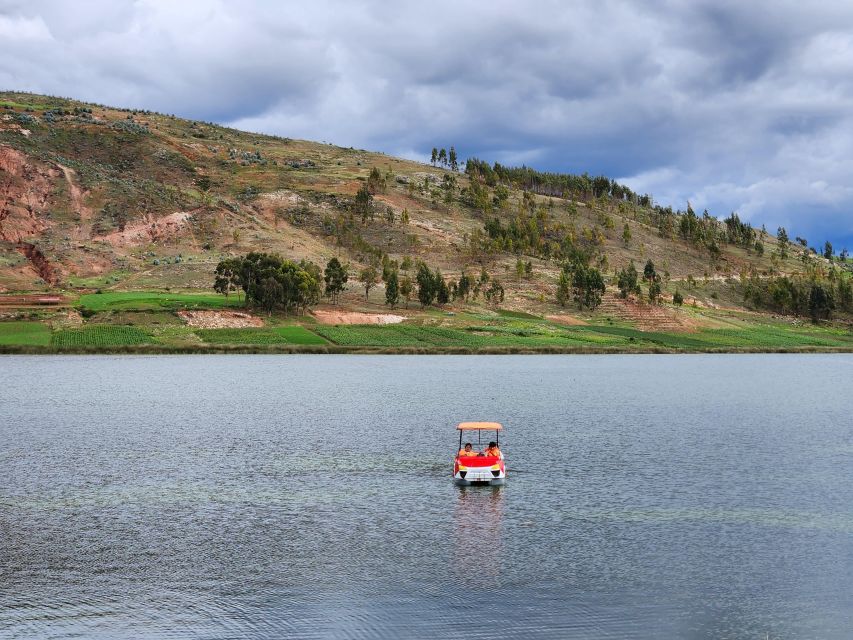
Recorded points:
(734, 106)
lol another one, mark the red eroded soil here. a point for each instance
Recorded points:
(25, 189)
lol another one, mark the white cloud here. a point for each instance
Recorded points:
(741, 106)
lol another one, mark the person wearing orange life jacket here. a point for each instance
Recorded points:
(466, 451)
(493, 450)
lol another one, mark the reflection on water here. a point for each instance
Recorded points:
(477, 533)
(243, 497)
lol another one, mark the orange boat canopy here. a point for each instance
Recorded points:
(479, 426)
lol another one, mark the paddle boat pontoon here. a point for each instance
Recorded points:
(477, 467)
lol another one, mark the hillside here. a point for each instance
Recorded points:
(98, 198)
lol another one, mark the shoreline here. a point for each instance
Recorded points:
(284, 349)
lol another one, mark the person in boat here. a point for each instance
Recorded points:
(467, 450)
(492, 450)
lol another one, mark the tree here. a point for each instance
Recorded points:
(392, 289)
(495, 293)
(375, 182)
(363, 203)
(649, 273)
(463, 288)
(628, 280)
(821, 303)
(654, 291)
(442, 157)
(271, 282)
(587, 285)
(677, 298)
(626, 234)
(827, 250)
(336, 278)
(442, 293)
(227, 276)
(501, 196)
(406, 288)
(783, 242)
(454, 165)
(564, 287)
(484, 276)
(426, 285)
(434, 157)
(369, 277)
(272, 293)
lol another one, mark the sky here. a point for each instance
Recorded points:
(732, 106)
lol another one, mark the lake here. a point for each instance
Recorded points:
(671, 496)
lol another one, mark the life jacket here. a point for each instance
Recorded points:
(464, 454)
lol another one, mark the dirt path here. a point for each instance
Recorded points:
(85, 213)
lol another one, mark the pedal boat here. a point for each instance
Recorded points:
(479, 469)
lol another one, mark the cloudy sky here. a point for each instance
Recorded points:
(744, 106)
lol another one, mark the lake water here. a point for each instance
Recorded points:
(696, 496)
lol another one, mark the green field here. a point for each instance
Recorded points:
(468, 338)
(98, 335)
(276, 335)
(147, 300)
(24, 333)
(148, 319)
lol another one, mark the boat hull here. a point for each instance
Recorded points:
(494, 482)
(479, 470)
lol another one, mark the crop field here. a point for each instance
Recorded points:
(776, 337)
(24, 333)
(275, 335)
(469, 338)
(98, 335)
(146, 300)
(369, 336)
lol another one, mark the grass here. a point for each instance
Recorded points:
(275, 335)
(147, 300)
(26, 105)
(468, 338)
(24, 333)
(100, 335)
(370, 336)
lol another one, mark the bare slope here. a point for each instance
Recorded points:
(92, 196)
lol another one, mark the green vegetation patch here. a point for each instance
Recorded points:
(772, 337)
(358, 335)
(670, 340)
(145, 300)
(273, 335)
(469, 338)
(24, 333)
(100, 335)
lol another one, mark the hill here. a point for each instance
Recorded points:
(99, 198)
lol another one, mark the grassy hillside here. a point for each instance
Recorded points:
(111, 200)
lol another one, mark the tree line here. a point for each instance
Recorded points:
(270, 282)
(563, 185)
(444, 158)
